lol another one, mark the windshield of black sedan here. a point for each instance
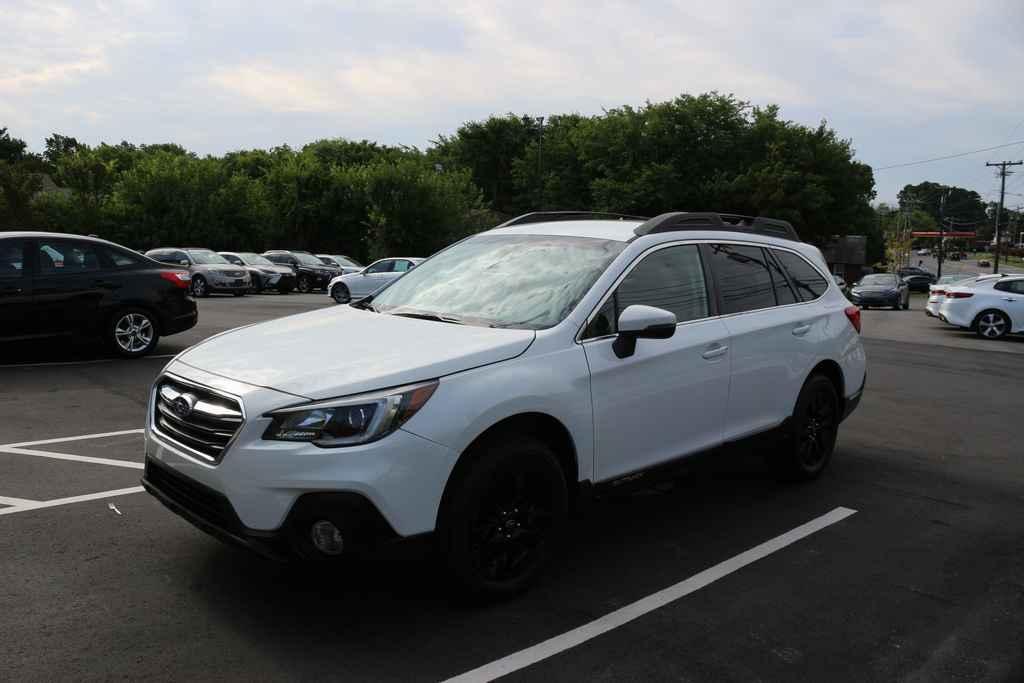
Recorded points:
(879, 280)
(520, 281)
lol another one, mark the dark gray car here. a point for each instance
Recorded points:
(211, 273)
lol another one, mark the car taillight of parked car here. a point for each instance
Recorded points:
(853, 315)
(939, 292)
(958, 295)
(178, 278)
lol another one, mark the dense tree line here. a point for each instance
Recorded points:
(706, 152)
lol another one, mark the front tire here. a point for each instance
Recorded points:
(199, 287)
(132, 333)
(305, 284)
(906, 303)
(992, 325)
(340, 294)
(502, 517)
(805, 452)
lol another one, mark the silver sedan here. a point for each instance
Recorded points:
(346, 288)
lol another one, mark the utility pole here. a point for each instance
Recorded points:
(540, 162)
(1002, 195)
(942, 229)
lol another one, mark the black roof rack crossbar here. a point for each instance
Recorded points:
(551, 216)
(733, 222)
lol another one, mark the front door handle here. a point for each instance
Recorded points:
(715, 351)
(801, 330)
(1006, 298)
(105, 284)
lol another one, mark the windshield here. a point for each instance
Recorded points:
(521, 281)
(308, 259)
(347, 262)
(327, 261)
(254, 259)
(879, 279)
(206, 257)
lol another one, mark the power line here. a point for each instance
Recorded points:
(949, 156)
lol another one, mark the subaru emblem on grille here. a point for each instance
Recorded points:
(183, 405)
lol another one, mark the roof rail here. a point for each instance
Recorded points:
(551, 216)
(685, 220)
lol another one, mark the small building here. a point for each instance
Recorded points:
(846, 256)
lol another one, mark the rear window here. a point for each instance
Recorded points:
(808, 282)
(12, 259)
(123, 259)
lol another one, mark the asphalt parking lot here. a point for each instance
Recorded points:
(912, 567)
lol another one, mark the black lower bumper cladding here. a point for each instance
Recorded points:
(362, 525)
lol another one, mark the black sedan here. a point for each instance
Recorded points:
(881, 289)
(55, 285)
(919, 282)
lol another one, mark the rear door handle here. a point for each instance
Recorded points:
(715, 351)
(1006, 298)
(801, 330)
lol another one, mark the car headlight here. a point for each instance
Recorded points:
(349, 421)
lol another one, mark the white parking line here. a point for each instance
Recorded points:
(76, 458)
(561, 643)
(37, 505)
(65, 439)
(82, 362)
(7, 500)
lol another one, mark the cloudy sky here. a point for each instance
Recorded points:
(904, 80)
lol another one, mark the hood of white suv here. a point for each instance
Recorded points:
(344, 350)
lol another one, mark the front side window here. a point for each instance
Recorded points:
(12, 259)
(61, 256)
(527, 282)
(381, 267)
(670, 278)
(806, 279)
(743, 278)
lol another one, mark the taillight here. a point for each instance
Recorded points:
(938, 292)
(178, 278)
(959, 295)
(853, 315)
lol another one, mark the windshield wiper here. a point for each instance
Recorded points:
(364, 304)
(425, 315)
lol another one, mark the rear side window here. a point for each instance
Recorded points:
(401, 266)
(670, 278)
(12, 259)
(743, 278)
(808, 281)
(123, 259)
(1015, 286)
(783, 292)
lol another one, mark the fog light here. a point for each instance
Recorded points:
(326, 537)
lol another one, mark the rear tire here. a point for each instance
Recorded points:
(305, 284)
(807, 448)
(502, 517)
(132, 332)
(992, 325)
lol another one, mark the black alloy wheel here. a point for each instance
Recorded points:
(502, 519)
(813, 429)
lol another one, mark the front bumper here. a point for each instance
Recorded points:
(875, 299)
(402, 476)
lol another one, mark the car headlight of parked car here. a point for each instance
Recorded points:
(349, 421)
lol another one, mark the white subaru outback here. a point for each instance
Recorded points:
(477, 396)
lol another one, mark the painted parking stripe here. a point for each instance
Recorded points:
(38, 505)
(65, 439)
(76, 458)
(7, 500)
(561, 643)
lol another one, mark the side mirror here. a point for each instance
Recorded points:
(183, 262)
(642, 322)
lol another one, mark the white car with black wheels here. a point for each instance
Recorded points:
(479, 395)
(992, 307)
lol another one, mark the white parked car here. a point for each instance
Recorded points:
(349, 287)
(993, 306)
(937, 291)
(479, 395)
